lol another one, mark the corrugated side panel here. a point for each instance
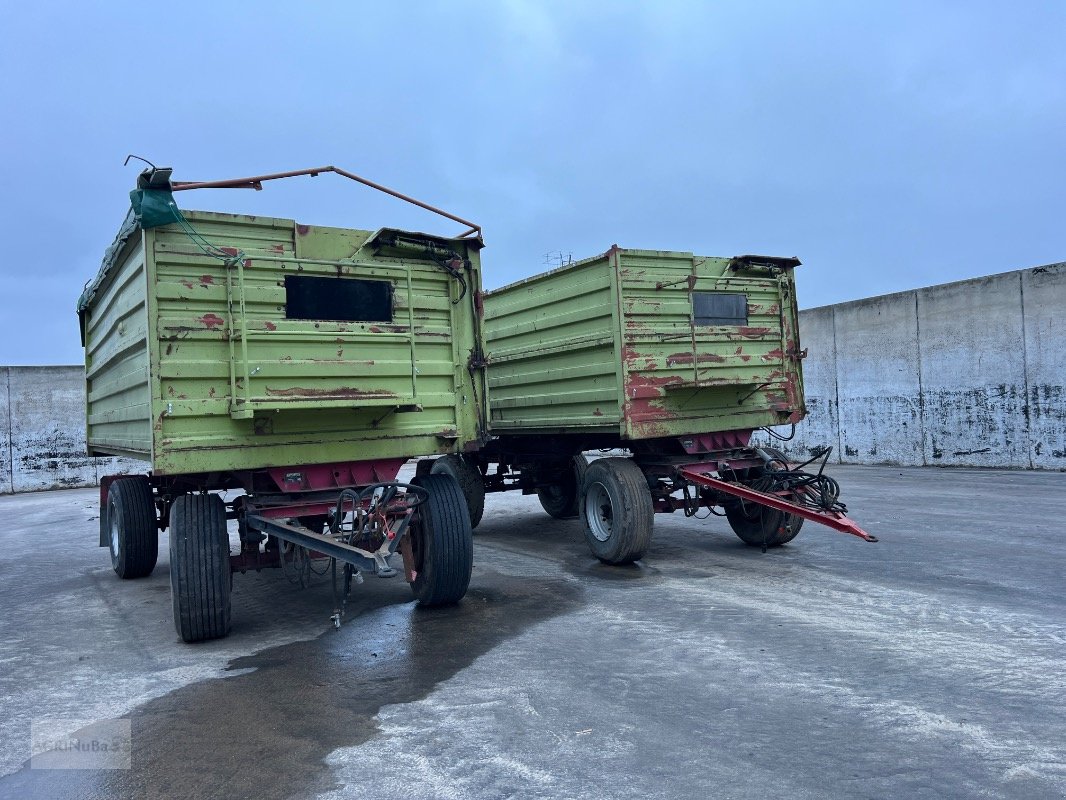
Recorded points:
(241, 386)
(118, 401)
(551, 346)
(682, 378)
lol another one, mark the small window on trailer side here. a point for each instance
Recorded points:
(337, 299)
(719, 308)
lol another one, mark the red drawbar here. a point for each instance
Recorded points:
(832, 519)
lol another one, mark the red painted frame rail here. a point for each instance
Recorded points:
(832, 519)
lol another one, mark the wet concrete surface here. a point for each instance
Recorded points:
(927, 665)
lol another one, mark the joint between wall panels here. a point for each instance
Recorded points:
(1026, 407)
(10, 441)
(921, 389)
(836, 389)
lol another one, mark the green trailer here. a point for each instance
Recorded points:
(674, 358)
(301, 364)
(640, 344)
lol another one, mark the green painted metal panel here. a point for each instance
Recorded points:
(234, 383)
(614, 344)
(115, 331)
(552, 360)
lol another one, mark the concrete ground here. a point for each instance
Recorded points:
(930, 664)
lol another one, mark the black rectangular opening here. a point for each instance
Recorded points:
(339, 299)
(719, 308)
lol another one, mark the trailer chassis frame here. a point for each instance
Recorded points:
(720, 468)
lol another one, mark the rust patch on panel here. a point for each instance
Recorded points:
(689, 359)
(631, 356)
(644, 394)
(645, 429)
(176, 331)
(207, 280)
(640, 303)
(212, 321)
(345, 392)
(751, 332)
(270, 326)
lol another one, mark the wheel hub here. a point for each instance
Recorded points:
(114, 538)
(599, 512)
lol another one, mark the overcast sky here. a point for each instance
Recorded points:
(888, 145)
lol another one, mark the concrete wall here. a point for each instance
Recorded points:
(961, 374)
(42, 432)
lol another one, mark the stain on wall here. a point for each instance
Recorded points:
(973, 372)
(822, 425)
(878, 380)
(5, 434)
(962, 374)
(44, 420)
(1044, 301)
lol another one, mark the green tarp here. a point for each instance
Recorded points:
(153, 207)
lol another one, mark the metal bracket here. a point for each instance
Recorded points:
(326, 545)
(256, 182)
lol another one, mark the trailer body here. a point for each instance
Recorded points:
(672, 358)
(301, 364)
(641, 344)
(317, 345)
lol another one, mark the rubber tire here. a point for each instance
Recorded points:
(794, 520)
(469, 479)
(633, 512)
(135, 549)
(751, 526)
(561, 499)
(199, 567)
(443, 543)
(752, 522)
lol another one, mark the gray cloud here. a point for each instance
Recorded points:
(888, 145)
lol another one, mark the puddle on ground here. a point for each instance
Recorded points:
(265, 729)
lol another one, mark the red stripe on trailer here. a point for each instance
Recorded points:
(316, 477)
